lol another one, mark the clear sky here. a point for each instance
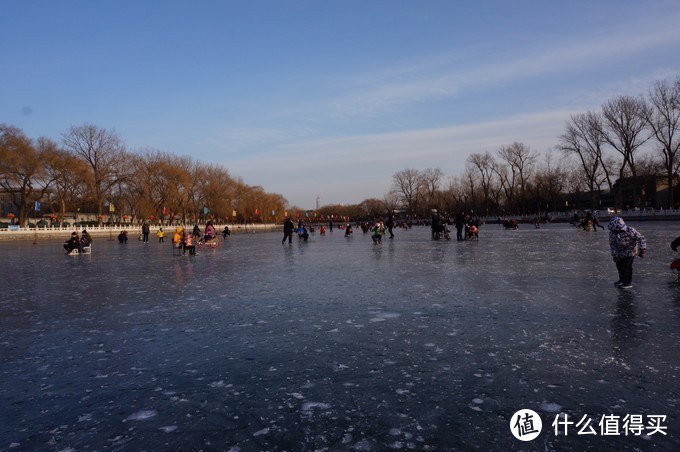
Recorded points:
(327, 98)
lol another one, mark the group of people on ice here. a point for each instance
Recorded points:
(378, 229)
(80, 243)
(467, 226)
(586, 221)
(186, 241)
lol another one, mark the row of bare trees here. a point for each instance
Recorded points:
(608, 144)
(631, 137)
(91, 171)
(510, 182)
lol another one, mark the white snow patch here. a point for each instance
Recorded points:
(382, 316)
(142, 415)
(85, 417)
(551, 407)
(308, 406)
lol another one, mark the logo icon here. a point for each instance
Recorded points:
(526, 425)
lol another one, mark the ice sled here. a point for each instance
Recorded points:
(212, 242)
(76, 251)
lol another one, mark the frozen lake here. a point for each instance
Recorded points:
(338, 344)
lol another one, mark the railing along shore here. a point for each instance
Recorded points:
(46, 233)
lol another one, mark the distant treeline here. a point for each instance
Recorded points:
(630, 138)
(626, 152)
(91, 171)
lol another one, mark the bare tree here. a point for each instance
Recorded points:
(391, 201)
(485, 166)
(102, 150)
(552, 177)
(21, 170)
(520, 159)
(583, 139)
(373, 208)
(68, 176)
(407, 184)
(663, 119)
(454, 192)
(625, 128)
(430, 180)
(217, 187)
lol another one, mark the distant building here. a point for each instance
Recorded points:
(645, 192)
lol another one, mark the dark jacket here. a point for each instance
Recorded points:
(288, 227)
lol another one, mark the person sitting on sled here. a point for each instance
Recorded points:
(210, 232)
(378, 231)
(73, 243)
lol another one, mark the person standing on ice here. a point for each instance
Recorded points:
(625, 243)
(390, 223)
(288, 229)
(459, 220)
(593, 220)
(145, 232)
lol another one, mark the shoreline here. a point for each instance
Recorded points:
(23, 234)
(113, 231)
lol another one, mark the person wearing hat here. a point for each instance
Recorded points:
(73, 243)
(178, 238)
(85, 239)
(123, 237)
(625, 243)
(146, 229)
(436, 224)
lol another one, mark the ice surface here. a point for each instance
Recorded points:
(336, 343)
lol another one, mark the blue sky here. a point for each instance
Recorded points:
(327, 98)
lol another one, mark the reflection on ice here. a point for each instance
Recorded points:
(334, 344)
